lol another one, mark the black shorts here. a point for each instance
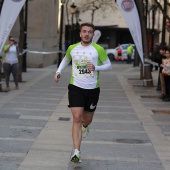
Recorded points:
(87, 98)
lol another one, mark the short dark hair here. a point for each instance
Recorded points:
(10, 37)
(164, 48)
(168, 49)
(87, 24)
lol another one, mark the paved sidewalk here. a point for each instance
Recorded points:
(35, 123)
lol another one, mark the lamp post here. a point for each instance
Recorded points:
(77, 15)
(73, 11)
(152, 11)
(61, 32)
(24, 61)
(77, 25)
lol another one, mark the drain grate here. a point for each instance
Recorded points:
(63, 118)
(130, 141)
(161, 111)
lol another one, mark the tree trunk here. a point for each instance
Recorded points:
(21, 42)
(146, 74)
(164, 23)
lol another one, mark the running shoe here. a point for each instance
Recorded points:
(76, 157)
(85, 131)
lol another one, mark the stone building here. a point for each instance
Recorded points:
(106, 17)
(43, 26)
(42, 32)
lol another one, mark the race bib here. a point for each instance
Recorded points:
(81, 70)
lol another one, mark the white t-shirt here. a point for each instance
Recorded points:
(11, 55)
(80, 55)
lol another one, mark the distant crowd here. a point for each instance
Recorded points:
(161, 55)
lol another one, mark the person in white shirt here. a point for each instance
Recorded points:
(88, 59)
(11, 62)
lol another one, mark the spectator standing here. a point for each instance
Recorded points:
(162, 56)
(129, 53)
(119, 53)
(166, 73)
(11, 62)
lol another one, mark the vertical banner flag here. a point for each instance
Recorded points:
(97, 34)
(131, 16)
(9, 13)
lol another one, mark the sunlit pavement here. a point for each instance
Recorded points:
(125, 134)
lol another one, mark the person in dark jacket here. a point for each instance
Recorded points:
(162, 56)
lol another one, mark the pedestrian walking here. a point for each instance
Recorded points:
(88, 59)
(11, 62)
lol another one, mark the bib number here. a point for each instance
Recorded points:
(84, 71)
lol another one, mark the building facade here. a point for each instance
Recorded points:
(106, 17)
(44, 23)
(42, 32)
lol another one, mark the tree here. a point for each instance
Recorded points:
(96, 5)
(147, 71)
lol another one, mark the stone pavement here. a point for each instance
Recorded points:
(126, 133)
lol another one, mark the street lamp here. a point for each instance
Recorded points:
(24, 58)
(77, 15)
(77, 24)
(61, 32)
(73, 11)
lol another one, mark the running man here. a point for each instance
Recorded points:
(88, 59)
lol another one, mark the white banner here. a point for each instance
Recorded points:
(97, 34)
(131, 16)
(9, 13)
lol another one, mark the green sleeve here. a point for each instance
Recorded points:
(68, 55)
(101, 52)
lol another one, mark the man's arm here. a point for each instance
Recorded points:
(105, 67)
(62, 66)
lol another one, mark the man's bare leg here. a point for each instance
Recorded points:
(87, 118)
(77, 113)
